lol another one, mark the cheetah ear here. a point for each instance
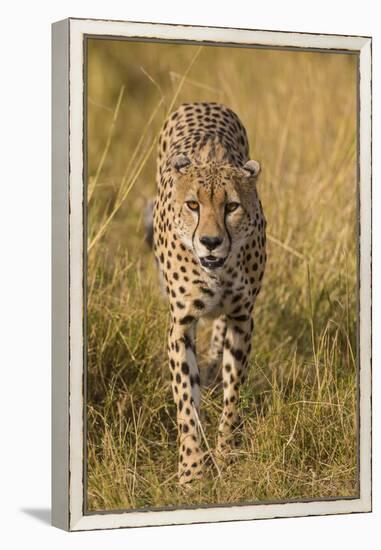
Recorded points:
(180, 163)
(251, 169)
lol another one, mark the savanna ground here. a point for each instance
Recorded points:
(299, 402)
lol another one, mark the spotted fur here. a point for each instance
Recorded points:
(209, 241)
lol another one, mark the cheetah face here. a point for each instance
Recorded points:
(214, 207)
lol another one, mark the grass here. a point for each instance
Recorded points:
(299, 402)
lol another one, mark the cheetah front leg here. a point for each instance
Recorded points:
(235, 360)
(214, 359)
(186, 392)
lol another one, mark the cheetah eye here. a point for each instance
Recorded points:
(192, 205)
(232, 206)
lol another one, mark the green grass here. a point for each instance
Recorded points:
(299, 402)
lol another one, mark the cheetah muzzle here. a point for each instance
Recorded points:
(210, 245)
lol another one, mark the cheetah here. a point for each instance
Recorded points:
(210, 244)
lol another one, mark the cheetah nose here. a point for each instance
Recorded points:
(211, 242)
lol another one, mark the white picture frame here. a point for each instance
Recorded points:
(68, 503)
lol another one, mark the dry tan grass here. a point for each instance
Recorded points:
(299, 403)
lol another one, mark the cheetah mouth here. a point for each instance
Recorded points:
(211, 262)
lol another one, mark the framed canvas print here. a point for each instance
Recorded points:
(211, 274)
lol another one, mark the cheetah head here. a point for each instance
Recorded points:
(215, 207)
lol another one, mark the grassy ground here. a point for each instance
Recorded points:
(299, 402)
